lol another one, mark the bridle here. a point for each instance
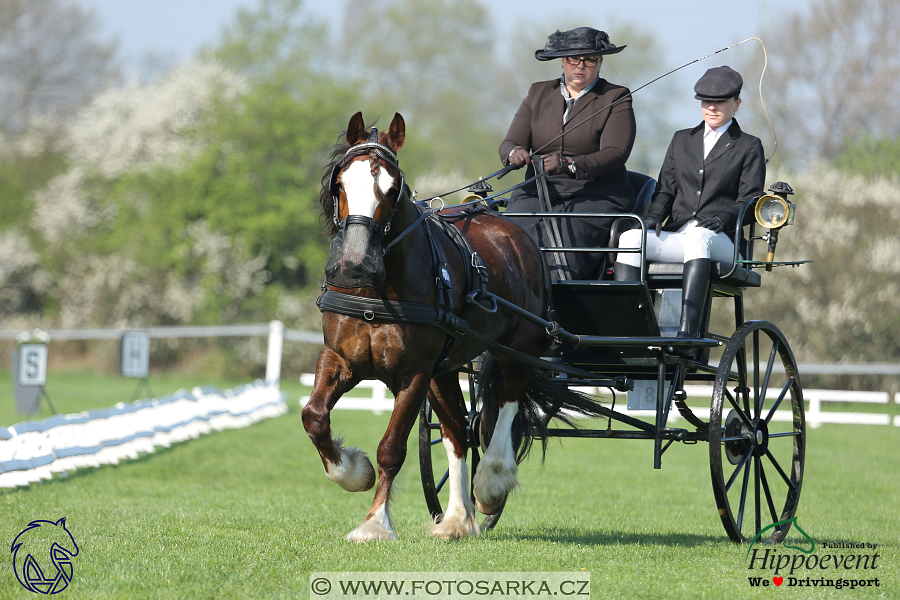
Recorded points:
(372, 146)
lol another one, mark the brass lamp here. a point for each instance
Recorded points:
(774, 211)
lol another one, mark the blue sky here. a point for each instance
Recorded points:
(174, 30)
(688, 29)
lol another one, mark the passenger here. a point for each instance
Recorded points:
(708, 173)
(586, 166)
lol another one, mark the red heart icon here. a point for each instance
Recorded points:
(778, 581)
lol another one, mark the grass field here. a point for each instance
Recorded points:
(249, 514)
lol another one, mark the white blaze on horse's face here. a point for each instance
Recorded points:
(359, 187)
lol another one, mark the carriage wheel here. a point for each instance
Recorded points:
(433, 457)
(757, 434)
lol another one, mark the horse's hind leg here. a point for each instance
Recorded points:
(391, 454)
(458, 520)
(350, 468)
(497, 471)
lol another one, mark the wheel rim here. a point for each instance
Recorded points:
(757, 450)
(433, 459)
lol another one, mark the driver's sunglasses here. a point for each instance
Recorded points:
(588, 62)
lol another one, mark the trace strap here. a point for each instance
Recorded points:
(394, 311)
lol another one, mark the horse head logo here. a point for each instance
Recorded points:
(36, 548)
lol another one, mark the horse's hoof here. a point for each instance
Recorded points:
(355, 473)
(488, 509)
(369, 533)
(455, 529)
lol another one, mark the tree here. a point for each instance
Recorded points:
(838, 74)
(871, 158)
(431, 61)
(51, 61)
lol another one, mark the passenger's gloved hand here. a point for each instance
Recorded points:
(654, 225)
(554, 164)
(519, 157)
(714, 224)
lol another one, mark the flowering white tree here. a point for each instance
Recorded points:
(845, 305)
(131, 129)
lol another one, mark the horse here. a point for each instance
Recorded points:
(390, 263)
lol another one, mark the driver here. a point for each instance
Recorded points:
(586, 166)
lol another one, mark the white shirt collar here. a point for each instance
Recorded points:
(708, 130)
(711, 136)
(570, 102)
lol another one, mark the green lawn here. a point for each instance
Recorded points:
(249, 514)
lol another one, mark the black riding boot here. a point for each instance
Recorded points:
(625, 272)
(695, 287)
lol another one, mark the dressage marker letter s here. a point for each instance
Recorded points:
(42, 556)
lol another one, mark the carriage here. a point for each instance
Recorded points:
(621, 335)
(618, 335)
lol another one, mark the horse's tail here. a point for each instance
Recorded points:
(545, 399)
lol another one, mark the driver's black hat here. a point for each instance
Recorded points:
(582, 41)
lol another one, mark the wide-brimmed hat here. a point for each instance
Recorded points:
(718, 83)
(582, 41)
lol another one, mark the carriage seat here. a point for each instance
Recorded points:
(742, 277)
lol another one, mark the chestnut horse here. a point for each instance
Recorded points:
(382, 253)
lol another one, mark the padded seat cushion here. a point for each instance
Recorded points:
(742, 277)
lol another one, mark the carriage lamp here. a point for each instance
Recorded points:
(774, 211)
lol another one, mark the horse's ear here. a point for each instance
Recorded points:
(397, 132)
(356, 130)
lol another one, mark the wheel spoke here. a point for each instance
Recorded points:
(440, 484)
(757, 508)
(765, 485)
(436, 442)
(781, 397)
(765, 385)
(738, 409)
(744, 486)
(737, 470)
(755, 376)
(778, 468)
(742, 390)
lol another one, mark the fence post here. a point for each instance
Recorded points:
(273, 358)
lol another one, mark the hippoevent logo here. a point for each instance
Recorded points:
(42, 556)
(836, 565)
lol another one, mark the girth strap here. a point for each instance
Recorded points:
(391, 311)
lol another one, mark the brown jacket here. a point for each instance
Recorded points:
(599, 148)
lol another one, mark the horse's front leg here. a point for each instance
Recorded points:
(391, 454)
(350, 468)
(458, 520)
(497, 473)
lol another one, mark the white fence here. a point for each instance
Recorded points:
(37, 450)
(380, 401)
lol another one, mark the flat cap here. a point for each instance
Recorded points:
(582, 41)
(718, 83)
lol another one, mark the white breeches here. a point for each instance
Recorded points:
(688, 243)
